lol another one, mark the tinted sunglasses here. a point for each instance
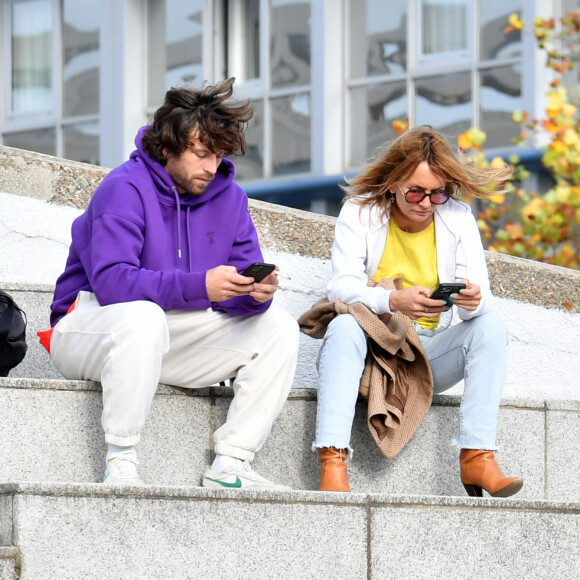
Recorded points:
(436, 196)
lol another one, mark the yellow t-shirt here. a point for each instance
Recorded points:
(414, 257)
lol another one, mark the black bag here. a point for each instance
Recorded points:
(12, 334)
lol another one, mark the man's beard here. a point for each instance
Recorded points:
(194, 187)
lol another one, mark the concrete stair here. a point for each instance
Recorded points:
(10, 566)
(51, 432)
(72, 531)
(407, 518)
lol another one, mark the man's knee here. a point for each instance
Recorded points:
(284, 325)
(142, 313)
(141, 322)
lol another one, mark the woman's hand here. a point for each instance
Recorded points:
(468, 298)
(415, 303)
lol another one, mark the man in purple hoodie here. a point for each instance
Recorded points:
(152, 290)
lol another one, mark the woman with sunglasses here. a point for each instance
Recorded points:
(401, 217)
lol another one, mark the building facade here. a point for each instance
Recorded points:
(326, 77)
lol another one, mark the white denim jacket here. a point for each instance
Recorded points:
(359, 241)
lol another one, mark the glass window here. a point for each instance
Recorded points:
(251, 165)
(445, 103)
(32, 90)
(243, 40)
(39, 140)
(500, 95)
(291, 134)
(183, 34)
(175, 46)
(290, 43)
(81, 54)
(444, 26)
(378, 44)
(494, 42)
(373, 109)
(81, 142)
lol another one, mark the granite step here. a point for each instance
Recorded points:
(9, 561)
(50, 431)
(68, 531)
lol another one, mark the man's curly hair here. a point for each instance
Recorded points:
(217, 121)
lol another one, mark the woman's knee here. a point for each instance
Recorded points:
(490, 328)
(346, 329)
(492, 324)
(345, 323)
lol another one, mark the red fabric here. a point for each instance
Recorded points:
(44, 336)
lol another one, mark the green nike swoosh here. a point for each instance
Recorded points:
(237, 483)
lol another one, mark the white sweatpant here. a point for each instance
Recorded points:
(131, 347)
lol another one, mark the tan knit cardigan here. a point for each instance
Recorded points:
(397, 382)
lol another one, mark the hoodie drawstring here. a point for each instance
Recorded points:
(178, 216)
(177, 208)
(189, 252)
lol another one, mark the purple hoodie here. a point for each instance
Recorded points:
(140, 240)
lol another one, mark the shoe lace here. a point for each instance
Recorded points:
(247, 467)
(125, 466)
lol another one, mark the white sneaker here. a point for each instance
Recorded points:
(122, 470)
(239, 476)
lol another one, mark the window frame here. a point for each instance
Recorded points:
(424, 61)
(260, 88)
(14, 123)
(420, 68)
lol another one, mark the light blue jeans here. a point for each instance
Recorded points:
(474, 350)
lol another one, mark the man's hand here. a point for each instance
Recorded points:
(224, 282)
(468, 298)
(264, 290)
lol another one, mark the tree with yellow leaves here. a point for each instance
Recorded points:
(543, 227)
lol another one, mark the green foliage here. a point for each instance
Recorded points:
(544, 227)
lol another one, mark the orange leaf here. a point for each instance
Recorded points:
(515, 21)
(399, 127)
(515, 231)
(557, 146)
(550, 126)
(464, 142)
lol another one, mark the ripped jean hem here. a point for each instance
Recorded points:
(348, 448)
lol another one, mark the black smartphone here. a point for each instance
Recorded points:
(444, 290)
(258, 271)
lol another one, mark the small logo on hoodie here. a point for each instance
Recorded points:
(211, 237)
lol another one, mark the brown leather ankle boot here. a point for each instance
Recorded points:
(479, 470)
(333, 474)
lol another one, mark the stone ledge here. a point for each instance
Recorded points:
(296, 394)
(280, 228)
(269, 496)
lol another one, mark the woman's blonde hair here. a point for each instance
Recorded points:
(373, 185)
